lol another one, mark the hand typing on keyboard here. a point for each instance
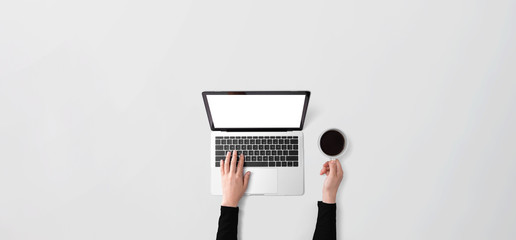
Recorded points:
(234, 182)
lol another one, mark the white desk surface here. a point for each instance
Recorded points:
(103, 133)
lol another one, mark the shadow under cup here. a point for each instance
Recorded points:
(332, 143)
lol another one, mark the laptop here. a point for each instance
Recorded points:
(266, 127)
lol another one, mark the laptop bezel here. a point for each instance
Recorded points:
(208, 112)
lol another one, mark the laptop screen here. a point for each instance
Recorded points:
(261, 110)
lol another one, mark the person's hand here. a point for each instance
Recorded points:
(334, 174)
(234, 183)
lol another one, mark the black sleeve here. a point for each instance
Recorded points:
(326, 227)
(228, 223)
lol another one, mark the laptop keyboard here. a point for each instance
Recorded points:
(260, 151)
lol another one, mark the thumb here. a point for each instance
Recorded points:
(246, 179)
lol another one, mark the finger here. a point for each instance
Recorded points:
(240, 169)
(222, 167)
(324, 168)
(226, 162)
(232, 168)
(327, 165)
(340, 172)
(333, 168)
(246, 179)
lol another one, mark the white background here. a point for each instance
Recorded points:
(256, 111)
(103, 133)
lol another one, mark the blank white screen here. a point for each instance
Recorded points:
(256, 111)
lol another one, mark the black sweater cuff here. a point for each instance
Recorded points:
(228, 223)
(326, 228)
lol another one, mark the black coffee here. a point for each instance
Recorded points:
(332, 143)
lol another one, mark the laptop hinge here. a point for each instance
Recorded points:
(257, 130)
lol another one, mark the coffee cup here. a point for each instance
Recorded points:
(333, 143)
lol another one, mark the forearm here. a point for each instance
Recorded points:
(228, 223)
(326, 228)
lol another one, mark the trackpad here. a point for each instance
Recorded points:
(262, 181)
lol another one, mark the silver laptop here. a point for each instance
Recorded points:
(266, 127)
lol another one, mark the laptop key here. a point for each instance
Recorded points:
(290, 164)
(292, 158)
(283, 164)
(272, 164)
(222, 153)
(293, 141)
(219, 147)
(292, 153)
(256, 164)
(295, 164)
